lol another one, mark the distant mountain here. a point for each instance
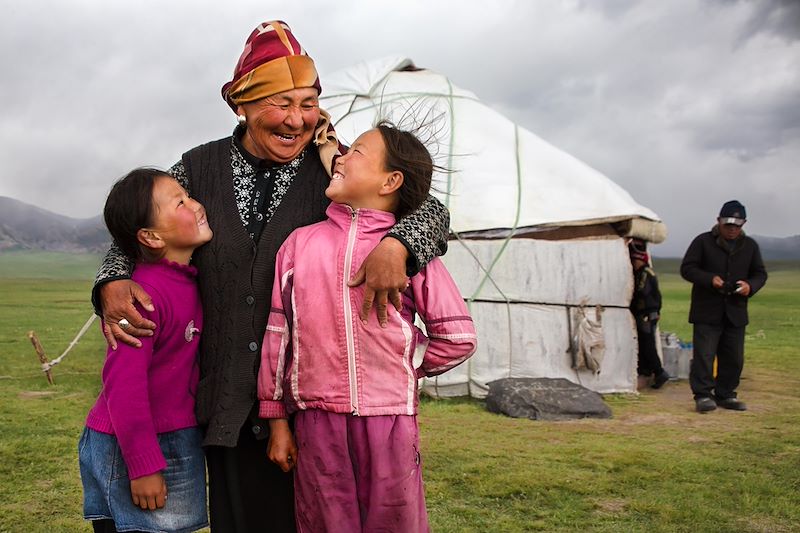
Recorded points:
(27, 227)
(775, 248)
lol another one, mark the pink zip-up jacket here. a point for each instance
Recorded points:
(317, 354)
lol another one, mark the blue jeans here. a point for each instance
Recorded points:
(107, 488)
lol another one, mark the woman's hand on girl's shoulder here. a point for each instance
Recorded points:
(121, 320)
(384, 274)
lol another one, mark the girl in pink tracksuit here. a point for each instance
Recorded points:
(351, 382)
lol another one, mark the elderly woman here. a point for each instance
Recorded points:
(258, 185)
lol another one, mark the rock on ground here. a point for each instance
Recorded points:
(544, 399)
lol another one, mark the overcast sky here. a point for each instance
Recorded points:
(685, 103)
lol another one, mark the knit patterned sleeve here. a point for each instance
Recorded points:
(178, 171)
(115, 266)
(424, 232)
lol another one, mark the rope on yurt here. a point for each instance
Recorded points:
(488, 272)
(472, 299)
(516, 216)
(452, 142)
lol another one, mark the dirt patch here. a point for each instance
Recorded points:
(614, 506)
(28, 394)
(673, 405)
(766, 525)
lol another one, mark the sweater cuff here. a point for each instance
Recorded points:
(96, 303)
(144, 464)
(271, 409)
(412, 263)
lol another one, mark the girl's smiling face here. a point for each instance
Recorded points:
(360, 174)
(179, 221)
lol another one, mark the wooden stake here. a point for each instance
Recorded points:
(40, 352)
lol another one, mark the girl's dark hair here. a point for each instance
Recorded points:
(406, 153)
(129, 208)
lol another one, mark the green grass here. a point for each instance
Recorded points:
(657, 466)
(48, 265)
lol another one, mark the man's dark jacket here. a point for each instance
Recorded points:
(709, 256)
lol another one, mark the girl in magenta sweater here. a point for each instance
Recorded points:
(141, 462)
(352, 382)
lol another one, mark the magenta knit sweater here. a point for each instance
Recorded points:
(151, 390)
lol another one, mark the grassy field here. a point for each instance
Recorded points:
(657, 466)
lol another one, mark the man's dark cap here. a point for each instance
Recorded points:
(732, 212)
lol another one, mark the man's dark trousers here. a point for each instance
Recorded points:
(726, 341)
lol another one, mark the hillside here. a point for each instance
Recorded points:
(773, 248)
(27, 227)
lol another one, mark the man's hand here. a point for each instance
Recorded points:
(149, 492)
(384, 271)
(281, 448)
(117, 299)
(717, 282)
(744, 288)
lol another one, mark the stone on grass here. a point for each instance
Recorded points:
(544, 399)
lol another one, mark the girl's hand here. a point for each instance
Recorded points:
(149, 492)
(281, 448)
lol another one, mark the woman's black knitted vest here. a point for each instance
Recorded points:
(235, 280)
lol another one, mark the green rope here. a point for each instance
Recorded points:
(452, 143)
(516, 217)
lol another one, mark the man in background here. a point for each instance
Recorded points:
(725, 269)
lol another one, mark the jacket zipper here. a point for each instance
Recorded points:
(348, 313)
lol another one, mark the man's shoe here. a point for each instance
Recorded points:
(704, 404)
(733, 404)
(660, 379)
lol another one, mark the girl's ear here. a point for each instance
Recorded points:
(392, 182)
(150, 239)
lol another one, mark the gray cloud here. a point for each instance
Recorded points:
(778, 17)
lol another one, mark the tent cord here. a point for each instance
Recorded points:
(516, 216)
(552, 304)
(451, 150)
(488, 273)
(472, 299)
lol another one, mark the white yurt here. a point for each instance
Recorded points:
(538, 238)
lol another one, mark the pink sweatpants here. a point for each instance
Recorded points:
(358, 474)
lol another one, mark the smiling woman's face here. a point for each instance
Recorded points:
(280, 126)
